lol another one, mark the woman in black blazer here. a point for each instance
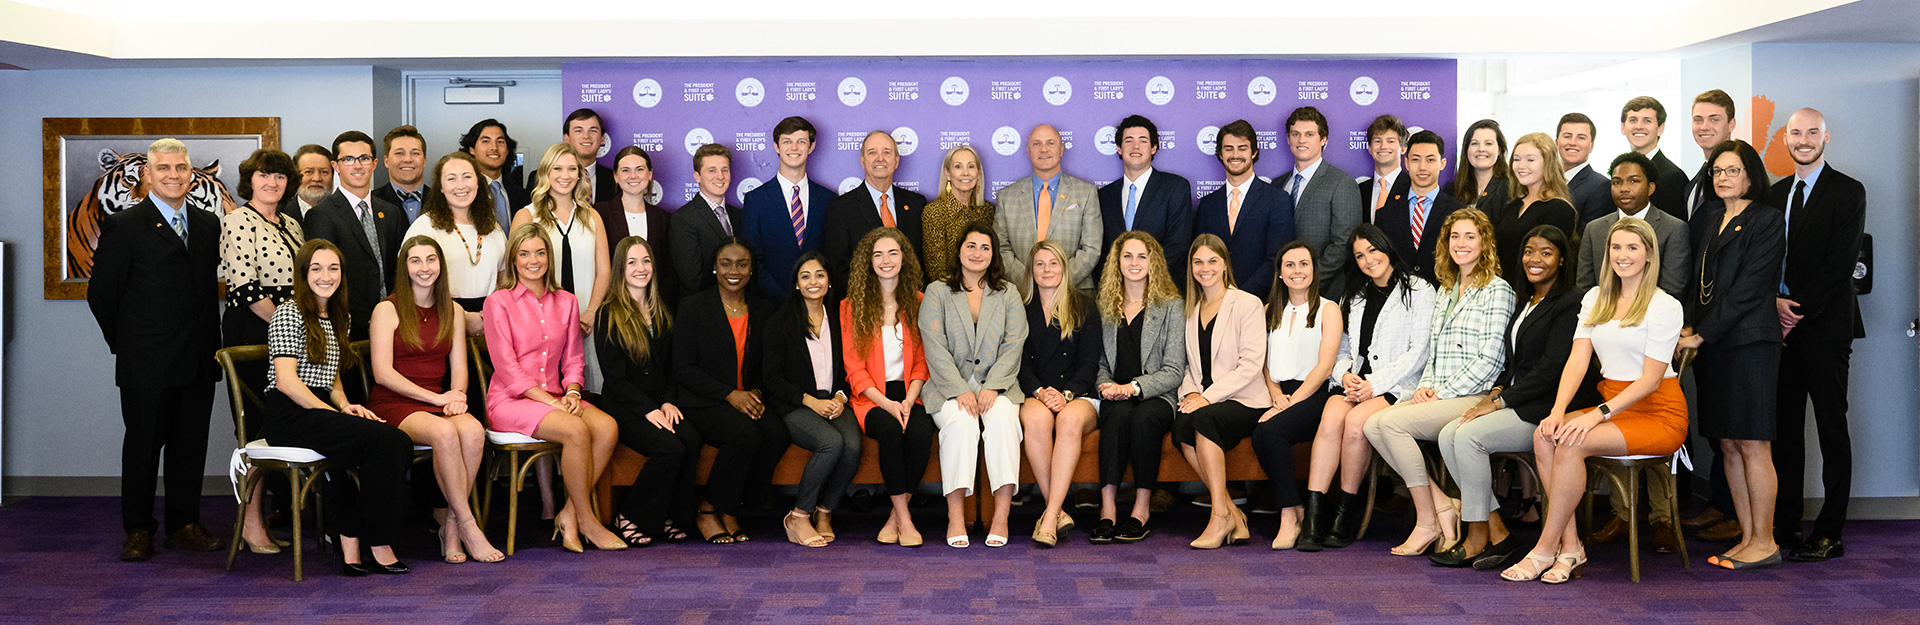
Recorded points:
(632, 215)
(1540, 335)
(812, 399)
(1732, 321)
(1057, 368)
(717, 365)
(633, 338)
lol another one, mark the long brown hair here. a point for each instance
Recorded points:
(1208, 241)
(1069, 306)
(1278, 296)
(631, 328)
(863, 287)
(316, 343)
(402, 298)
(439, 214)
(1113, 288)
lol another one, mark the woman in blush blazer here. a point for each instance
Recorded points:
(1222, 395)
(1144, 337)
(974, 327)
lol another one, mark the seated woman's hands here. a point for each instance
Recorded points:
(1192, 402)
(665, 417)
(747, 402)
(362, 412)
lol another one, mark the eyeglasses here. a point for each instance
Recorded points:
(1726, 171)
(364, 159)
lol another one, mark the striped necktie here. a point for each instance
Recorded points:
(1419, 218)
(799, 217)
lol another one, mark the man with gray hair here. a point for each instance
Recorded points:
(153, 292)
(876, 203)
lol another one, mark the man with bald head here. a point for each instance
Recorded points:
(1826, 215)
(876, 203)
(1049, 205)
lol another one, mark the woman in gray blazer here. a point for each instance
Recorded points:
(1144, 357)
(974, 327)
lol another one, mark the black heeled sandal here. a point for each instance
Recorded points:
(717, 538)
(631, 532)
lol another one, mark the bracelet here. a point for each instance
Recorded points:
(573, 393)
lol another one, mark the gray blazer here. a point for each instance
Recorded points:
(958, 349)
(1075, 224)
(1324, 215)
(1163, 351)
(1676, 251)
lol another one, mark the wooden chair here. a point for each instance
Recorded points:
(519, 450)
(251, 459)
(1632, 466)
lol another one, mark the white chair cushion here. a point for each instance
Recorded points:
(261, 450)
(510, 438)
(1680, 458)
(423, 448)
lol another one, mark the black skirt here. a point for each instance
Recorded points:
(1734, 390)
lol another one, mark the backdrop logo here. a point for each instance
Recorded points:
(905, 140)
(852, 91)
(1103, 141)
(1006, 141)
(1159, 90)
(850, 184)
(1208, 139)
(747, 185)
(696, 138)
(654, 194)
(749, 92)
(605, 147)
(1057, 91)
(1364, 91)
(646, 93)
(954, 91)
(1260, 90)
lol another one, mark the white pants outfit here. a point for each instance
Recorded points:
(961, 435)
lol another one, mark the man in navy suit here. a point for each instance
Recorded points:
(1592, 191)
(1386, 142)
(367, 229)
(1713, 113)
(785, 217)
(1642, 121)
(1254, 218)
(1145, 199)
(1412, 219)
(585, 133)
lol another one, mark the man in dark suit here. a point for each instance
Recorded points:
(315, 164)
(1412, 218)
(1826, 216)
(406, 160)
(1642, 121)
(493, 148)
(1145, 199)
(704, 221)
(1712, 124)
(1387, 143)
(153, 292)
(1326, 204)
(873, 204)
(1590, 189)
(367, 229)
(1252, 217)
(786, 217)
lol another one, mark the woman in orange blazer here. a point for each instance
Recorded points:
(886, 368)
(1224, 392)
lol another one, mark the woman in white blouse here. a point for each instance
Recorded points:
(1303, 343)
(459, 216)
(1633, 327)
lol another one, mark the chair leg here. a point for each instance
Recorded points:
(233, 546)
(513, 497)
(1673, 503)
(489, 471)
(1632, 492)
(1375, 470)
(299, 505)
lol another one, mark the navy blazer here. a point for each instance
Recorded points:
(1265, 226)
(851, 215)
(1395, 219)
(1592, 194)
(1742, 263)
(1164, 210)
(1065, 365)
(767, 226)
(1402, 181)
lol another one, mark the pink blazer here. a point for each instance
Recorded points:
(1239, 353)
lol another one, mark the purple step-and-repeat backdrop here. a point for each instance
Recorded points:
(929, 106)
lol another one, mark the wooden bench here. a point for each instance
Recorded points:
(625, 466)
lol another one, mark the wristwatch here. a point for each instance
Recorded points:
(1067, 394)
(1136, 388)
(1606, 412)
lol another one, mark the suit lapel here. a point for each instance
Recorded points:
(1150, 333)
(164, 229)
(352, 216)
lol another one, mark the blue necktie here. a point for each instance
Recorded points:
(1299, 184)
(1131, 207)
(501, 211)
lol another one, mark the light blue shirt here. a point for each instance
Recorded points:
(1812, 178)
(886, 205)
(1414, 206)
(1052, 184)
(170, 214)
(1135, 188)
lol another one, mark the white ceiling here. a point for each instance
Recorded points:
(39, 34)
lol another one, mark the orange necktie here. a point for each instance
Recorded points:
(886, 216)
(1233, 208)
(1044, 212)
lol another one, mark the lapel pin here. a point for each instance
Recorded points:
(381, 214)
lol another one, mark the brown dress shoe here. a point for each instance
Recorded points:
(138, 548)
(1612, 532)
(193, 537)
(1724, 531)
(1707, 517)
(1663, 537)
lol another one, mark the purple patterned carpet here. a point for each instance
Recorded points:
(58, 565)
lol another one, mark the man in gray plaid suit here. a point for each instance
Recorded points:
(1050, 205)
(1326, 203)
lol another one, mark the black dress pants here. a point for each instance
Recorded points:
(1273, 441)
(664, 487)
(749, 451)
(174, 419)
(378, 453)
(1131, 434)
(903, 452)
(1816, 370)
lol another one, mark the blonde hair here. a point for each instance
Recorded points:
(863, 288)
(1486, 270)
(1207, 241)
(1553, 175)
(975, 197)
(1069, 307)
(1609, 288)
(628, 326)
(527, 232)
(170, 145)
(543, 204)
(1113, 289)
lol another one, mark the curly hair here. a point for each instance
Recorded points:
(863, 287)
(1484, 271)
(439, 213)
(1113, 288)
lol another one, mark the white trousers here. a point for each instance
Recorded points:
(961, 435)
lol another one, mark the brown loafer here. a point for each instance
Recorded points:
(1724, 531)
(138, 548)
(1663, 537)
(193, 537)
(1706, 518)
(1613, 531)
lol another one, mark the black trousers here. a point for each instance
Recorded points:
(1273, 441)
(378, 453)
(749, 450)
(174, 419)
(1131, 431)
(1816, 370)
(904, 452)
(664, 488)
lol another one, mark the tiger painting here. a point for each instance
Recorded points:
(118, 189)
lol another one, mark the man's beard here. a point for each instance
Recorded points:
(312, 195)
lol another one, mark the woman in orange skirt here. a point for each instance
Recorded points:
(1632, 327)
